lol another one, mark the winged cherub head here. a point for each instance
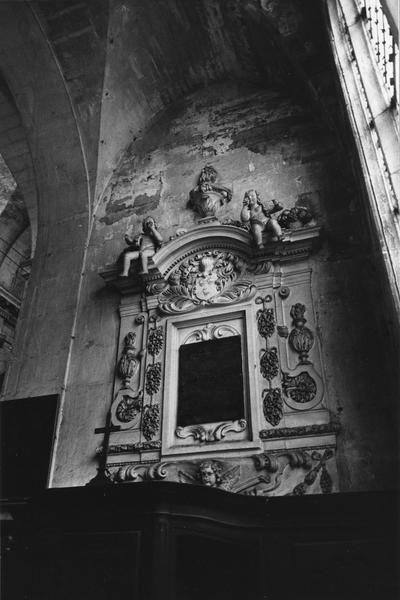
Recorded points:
(210, 473)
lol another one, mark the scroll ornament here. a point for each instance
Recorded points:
(212, 433)
(128, 408)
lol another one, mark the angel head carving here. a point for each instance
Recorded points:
(210, 473)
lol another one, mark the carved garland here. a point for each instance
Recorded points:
(273, 406)
(151, 421)
(269, 363)
(325, 481)
(128, 402)
(135, 447)
(151, 412)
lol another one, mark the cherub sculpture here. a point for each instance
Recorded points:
(207, 196)
(210, 473)
(259, 218)
(142, 246)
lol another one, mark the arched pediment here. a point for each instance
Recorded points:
(205, 237)
(201, 248)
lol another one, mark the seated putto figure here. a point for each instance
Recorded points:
(259, 218)
(142, 246)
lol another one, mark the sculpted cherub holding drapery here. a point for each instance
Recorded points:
(259, 218)
(142, 246)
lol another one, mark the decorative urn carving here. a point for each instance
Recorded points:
(128, 363)
(207, 196)
(301, 338)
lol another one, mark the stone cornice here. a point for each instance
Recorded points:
(296, 245)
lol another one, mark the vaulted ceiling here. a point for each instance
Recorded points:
(122, 62)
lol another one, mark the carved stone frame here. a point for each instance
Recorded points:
(223, 436)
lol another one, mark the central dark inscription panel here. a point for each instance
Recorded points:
(210, 382)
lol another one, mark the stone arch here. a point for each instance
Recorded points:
(36, 84)
(16, 153)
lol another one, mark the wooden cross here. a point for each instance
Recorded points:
(102, 477)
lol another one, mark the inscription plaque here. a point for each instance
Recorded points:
(210, 382)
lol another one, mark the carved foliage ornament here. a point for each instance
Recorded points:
(301, 388)
(325, 481)
(153, 378)
(135, 447)
(128, 408)
(206, 278)
(266, 322)
(269, 364)
(273, 406)
(296, 217)
(300, 431)
(151, 421)
(155, 341)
